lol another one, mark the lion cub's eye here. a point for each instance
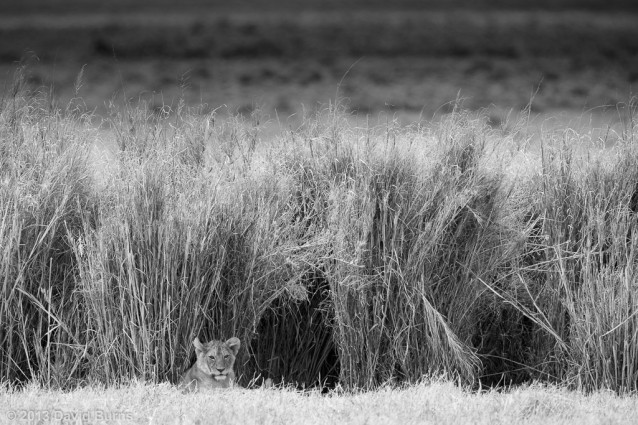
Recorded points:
(226, 356)
(211, 357)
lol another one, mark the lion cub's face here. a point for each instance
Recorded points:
(216, 358)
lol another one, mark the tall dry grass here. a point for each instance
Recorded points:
(45, 196)
(363, 255)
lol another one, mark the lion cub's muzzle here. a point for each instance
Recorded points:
(219, 374)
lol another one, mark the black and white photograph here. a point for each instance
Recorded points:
(319, 212)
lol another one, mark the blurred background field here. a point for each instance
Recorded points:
(407, 58)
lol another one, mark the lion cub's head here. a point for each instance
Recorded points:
(217, 358)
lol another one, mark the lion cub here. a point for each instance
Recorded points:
(214, 366)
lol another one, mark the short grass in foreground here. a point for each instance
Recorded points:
(438, 402)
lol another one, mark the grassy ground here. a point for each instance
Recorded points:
(435, 403)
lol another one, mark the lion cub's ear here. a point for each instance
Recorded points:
(233, 344)
(199, 347)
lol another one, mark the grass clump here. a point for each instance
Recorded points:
(337, 254)
(584, 268)
(45, 185)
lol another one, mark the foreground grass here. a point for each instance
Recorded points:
(438, 402)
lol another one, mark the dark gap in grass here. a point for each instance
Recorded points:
(294, 342)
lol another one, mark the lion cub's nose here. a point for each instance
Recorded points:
(220, 370)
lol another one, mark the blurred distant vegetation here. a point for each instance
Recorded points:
(582, 37)
(92, 6)
(411, 55)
